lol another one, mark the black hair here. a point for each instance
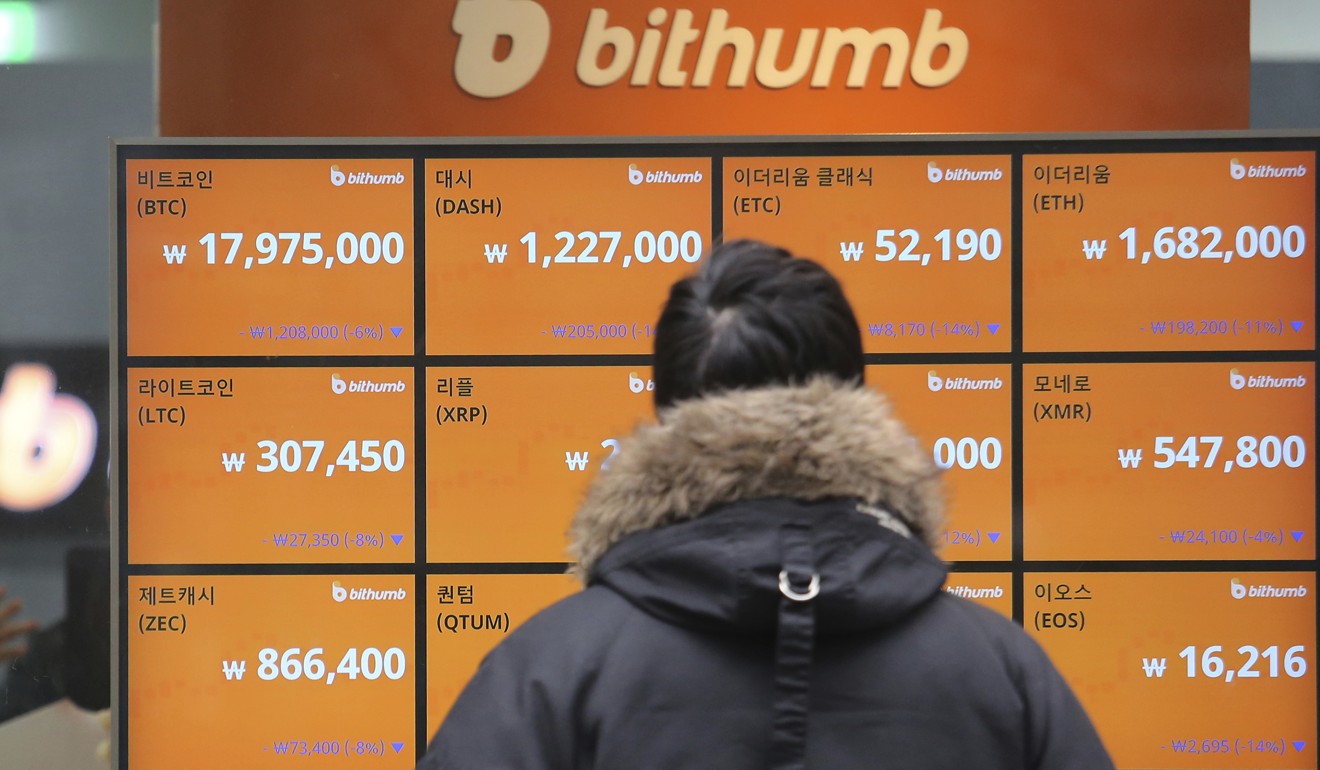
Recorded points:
(754, 315)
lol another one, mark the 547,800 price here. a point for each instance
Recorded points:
(1204, 452)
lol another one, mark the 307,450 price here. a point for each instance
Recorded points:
(365, 456)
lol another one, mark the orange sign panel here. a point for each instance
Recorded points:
(558, 256)
(750, 67)
(269, 257)
(1217, 670)
(283, 662)
(468, 616)
(508, 462)
(254, 465)
(922, 245)
(1193, 251)
(1169, 461)
(962, 415)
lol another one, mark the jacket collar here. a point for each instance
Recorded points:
(811, 442)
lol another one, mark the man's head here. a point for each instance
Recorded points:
(753, 316)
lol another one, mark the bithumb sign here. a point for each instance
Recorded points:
(47, 440)
(652, 50)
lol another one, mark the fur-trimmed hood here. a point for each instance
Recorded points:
(813, 442)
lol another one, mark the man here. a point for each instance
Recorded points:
(760, 586)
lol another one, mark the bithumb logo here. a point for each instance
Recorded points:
(1263, 171)
(1237, 381)
(936, 174)
(339, 178)
(607, 54)
(342, 594)
(636, 176)
(47, 440)
(637, 384)
(340, 386)
(967, 592)
(1240, 591)
(937, 383)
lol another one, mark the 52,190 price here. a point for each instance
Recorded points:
(952, 245)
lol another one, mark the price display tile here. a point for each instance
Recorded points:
(558, 256)
(271, 671)
(468, 616)
(1189, 251)
(510, 451)
(270, 465)
(962, 415)
(989, 589)
(1169, 461)
(921, 244)
(269, 257)
(1217, 670)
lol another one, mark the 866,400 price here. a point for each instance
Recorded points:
(291, 665)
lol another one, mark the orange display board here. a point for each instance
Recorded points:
(271, 465)
(242, 257)
(921, 244)
(511, 450)
(220, 667)
(334, 455)
(961, 415)
(468, 615)
(733, 67)
(1161, 251)
(1169, 461)
(1217, 670)
(558, 256)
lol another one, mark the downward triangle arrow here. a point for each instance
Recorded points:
(1298, 535)
(1297, 325)
(1299, 745)
(397, 331)
(994, 537)
(398, 539)
(992, 327)
(398, 746)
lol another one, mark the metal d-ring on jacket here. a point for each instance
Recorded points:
(761, 593)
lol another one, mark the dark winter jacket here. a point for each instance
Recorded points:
(759, 596)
